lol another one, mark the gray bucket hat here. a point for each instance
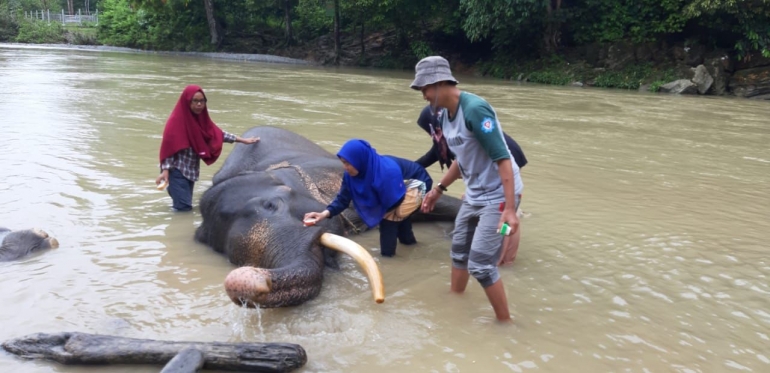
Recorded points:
(432, 70)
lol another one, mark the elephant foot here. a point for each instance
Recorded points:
(248, 286)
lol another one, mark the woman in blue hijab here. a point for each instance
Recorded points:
(385, 191)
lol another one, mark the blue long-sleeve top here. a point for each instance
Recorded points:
(409, 170)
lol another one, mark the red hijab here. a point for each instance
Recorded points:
(187, 130)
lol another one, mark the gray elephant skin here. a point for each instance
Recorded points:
(18, 244)
(253, 214)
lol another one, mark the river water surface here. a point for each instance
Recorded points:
(644, 247)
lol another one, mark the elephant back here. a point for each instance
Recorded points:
(277, 147)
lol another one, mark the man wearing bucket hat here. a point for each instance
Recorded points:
(487, 219)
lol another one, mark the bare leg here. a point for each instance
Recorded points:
(510, 248)
(459, 280)
(496, 296)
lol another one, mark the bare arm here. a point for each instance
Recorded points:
(231, 138)
(248, 140)
(505, 169)
(449, 177)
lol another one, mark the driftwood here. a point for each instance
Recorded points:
(188, 360)
(82, 348)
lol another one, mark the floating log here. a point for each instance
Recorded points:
(188, 360)
(82, 348)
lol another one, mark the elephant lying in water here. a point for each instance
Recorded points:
(253, 214)
(18, 244)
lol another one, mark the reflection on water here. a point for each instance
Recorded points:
(643, 248)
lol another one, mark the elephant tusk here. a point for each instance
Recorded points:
(363, 258)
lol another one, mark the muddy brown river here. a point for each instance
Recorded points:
(644, 246)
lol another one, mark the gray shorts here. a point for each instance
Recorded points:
(476, 245)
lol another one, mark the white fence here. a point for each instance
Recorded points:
(46, 15)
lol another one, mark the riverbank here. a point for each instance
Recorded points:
(693, 47)
(214, 55)
(656, 67)
(677, 69)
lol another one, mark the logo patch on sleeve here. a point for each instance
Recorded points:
(487, 125)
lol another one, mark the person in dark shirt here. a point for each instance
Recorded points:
(385, 191)
(430, 122)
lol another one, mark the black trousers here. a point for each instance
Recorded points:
(392, 230)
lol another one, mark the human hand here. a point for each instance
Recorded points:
(250, 140)
(509, 216)
(429, 202)
(162, 178)
(315, 217)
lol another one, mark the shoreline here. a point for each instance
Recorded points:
(715, 75)
(248, 57)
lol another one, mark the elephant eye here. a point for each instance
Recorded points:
(269, 205)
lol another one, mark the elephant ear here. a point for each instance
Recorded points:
(330, 259)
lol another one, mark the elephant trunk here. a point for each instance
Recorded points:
(249, 286)
(298, 282)
(284, 286)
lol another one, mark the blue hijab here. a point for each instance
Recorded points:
(378, 185)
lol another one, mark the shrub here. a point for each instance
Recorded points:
(554, 77)
(40, 32)
(9, 28)
(118, 24)
(421, 49)
(82, 38)
(629, 78)
(663, 77)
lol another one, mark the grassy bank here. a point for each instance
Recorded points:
(43, 32)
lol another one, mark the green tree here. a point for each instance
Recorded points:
(119, 24)
(362, 12)
(212, 21)
(507, 23)
(748, 18)
(288, 32)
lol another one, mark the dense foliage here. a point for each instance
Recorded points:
(472, 29)
(40, 32)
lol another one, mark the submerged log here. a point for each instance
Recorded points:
(188, 360)
(81, 348)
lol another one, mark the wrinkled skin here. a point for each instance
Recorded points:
(253, 214)
(18, 244)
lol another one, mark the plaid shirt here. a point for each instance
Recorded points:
(188, 162)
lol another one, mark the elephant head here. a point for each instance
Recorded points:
(253, 214)
(18, 244)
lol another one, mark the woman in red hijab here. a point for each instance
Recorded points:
(190, 136)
